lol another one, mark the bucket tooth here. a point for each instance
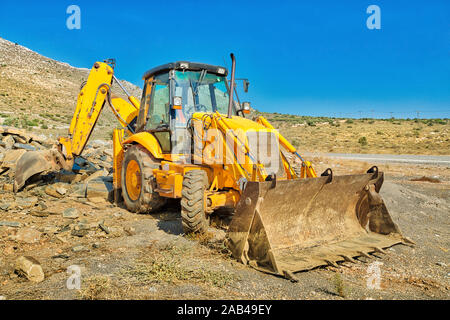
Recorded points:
(290, 276)
(331, 263)
(378, 249)
(348, 258)
(408, 241)
(253, 264)
(365, 255)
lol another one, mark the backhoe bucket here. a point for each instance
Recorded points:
(34, 162)
(287, 226)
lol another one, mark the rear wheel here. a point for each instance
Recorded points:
(137, 181)
(193, 211)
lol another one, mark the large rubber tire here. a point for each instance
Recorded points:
(138, 195)
(193, 213)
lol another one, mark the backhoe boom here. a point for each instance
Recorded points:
(91, 99)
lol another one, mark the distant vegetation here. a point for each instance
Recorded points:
(364, 135)
(311, 120)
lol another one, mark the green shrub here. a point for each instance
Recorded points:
(11, 122)
(362, 141)
(29, 123)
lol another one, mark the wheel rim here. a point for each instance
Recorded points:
(133, 180)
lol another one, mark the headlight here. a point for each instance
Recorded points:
(220, 70)
(246, 107)
(177, 103)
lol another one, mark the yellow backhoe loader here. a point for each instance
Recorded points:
(188, 139)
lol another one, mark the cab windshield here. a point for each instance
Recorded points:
(201, 92)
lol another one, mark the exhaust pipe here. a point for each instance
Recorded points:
(230, 102)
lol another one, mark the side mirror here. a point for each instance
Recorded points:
(246, 107)
(177, 103)
(246, 84)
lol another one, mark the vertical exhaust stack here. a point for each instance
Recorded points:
(233, 69)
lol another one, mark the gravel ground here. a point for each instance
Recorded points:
(148, 257)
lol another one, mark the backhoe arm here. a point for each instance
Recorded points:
(91, 100)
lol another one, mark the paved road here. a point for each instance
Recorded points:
(391, 158)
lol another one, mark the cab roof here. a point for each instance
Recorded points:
(181, 65)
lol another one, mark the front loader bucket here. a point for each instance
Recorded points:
(287, 226)
(34, 162)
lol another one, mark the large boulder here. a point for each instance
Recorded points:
(11, 158)
(30, 268)
(27, 235)
(100, 187)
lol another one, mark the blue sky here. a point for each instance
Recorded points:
(302, 57)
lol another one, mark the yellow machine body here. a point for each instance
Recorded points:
(284, 221)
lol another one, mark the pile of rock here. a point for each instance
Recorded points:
(70, 208)
(15, 142)
(13, 138)
(91, 177)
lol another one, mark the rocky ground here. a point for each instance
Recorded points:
(65, 225)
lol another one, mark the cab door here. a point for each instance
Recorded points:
(155, 114)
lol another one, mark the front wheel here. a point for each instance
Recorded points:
(137, 181)
(193, 213)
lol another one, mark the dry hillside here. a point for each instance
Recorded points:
(39, 93)
(385, 136)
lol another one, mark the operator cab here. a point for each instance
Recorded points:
(173, 92)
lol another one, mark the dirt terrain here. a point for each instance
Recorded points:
(65, 220)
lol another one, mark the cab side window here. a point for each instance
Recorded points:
(145, 102)
(159, 109)
(158, 116)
